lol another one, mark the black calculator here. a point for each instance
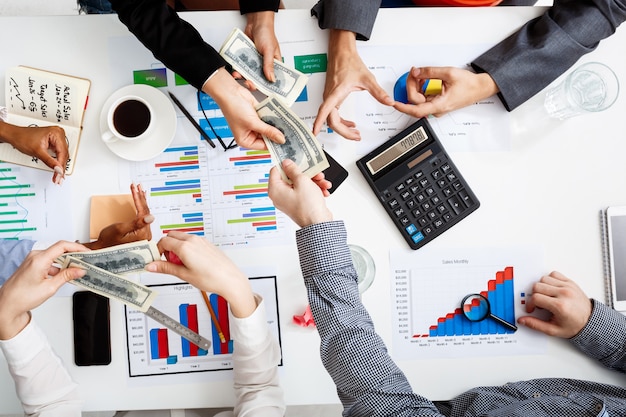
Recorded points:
(418, 184)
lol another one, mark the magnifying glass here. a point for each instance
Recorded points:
(476, 307)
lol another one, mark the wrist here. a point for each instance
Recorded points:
(7, 133)
(11, 325)
(341, 42)
(259, 19)
(488, 85)
(220, 85)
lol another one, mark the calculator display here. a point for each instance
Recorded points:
(400, 148)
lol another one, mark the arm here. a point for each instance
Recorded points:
(172, 40)
(260, 28)
(544, 48)
(43, 385)
(346, 72)
(256, 353)
(367, 379)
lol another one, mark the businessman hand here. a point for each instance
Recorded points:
(569, 305)
(303, 201)
(460, 88)
(260, 28)
(345, 74)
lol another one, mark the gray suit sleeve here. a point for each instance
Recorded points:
(12, 254)
(544, 48)
(357, 16)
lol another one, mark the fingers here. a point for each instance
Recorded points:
(268, 67)
(270, 132)
(139, 199)
(539, 325)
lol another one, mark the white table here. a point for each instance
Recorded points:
(548, 190)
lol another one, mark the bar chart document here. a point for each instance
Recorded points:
(427, 289)
(155, 350)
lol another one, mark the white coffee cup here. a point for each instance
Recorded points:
(130, 118)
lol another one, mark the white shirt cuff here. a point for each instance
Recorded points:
(253, 329)
(24, 346)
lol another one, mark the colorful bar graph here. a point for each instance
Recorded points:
(261, 218)
(159, 344)
(13, 213)
(501, 299)
(251, 157)
(192, 223)
(253, 190)
(180, 158)
(220, 307)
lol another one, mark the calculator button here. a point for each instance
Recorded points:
(409, 181)
(411, 229)
(423, 221)
(436, 174)
(431, 215)
(416, 212)
(447, 216)
(387, 194)
(405, 195)
(420, 198)
(457, 206)
(441, 208)
(405, 221)
(457, 186)
(399, 212)
(428, 230)
(400, 187)
(445, 168)
(417, 237)
(448, 192)
(466, 198)
(411, 204)
(414, 188)
(426, 206)
(438, 223)
(424, 182)
(451, 176)
(393, 203)
(435, 200)
(418, 175)
(430, 191)
(441, 183)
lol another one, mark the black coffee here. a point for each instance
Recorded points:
(131, 118)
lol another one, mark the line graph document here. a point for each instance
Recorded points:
(427, 289)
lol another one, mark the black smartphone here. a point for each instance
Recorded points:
(335, 173)
(92, 329)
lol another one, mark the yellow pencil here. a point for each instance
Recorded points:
(213, 317)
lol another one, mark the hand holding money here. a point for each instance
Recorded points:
(300, 145)
(104, 268)
(240, 52)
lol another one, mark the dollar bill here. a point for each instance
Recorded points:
(300, 145)
(119, 259)
(239, 51)
(112, 285)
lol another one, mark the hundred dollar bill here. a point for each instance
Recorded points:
(120, 259)
(239, 51)
(300, 145)
(112, 285)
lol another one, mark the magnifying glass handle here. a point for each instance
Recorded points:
(504, 323)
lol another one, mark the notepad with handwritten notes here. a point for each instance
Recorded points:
(36, 97)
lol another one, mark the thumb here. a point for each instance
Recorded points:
(272, 133)
(164, 267)
(537, 324)
(66, 275)
(429, 72)
(292, 170)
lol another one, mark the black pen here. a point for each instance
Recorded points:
(191, 119)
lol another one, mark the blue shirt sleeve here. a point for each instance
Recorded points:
(12, 254)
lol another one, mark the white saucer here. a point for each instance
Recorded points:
(165, 129)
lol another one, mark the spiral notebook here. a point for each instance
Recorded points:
(613, 235)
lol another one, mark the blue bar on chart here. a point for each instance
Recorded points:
(262, 219)
(256, 189)
(500, 293)
(220, 307)
(188, 314)
(159, 346)
(189, 187)
(251, 157)
(179, 158)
